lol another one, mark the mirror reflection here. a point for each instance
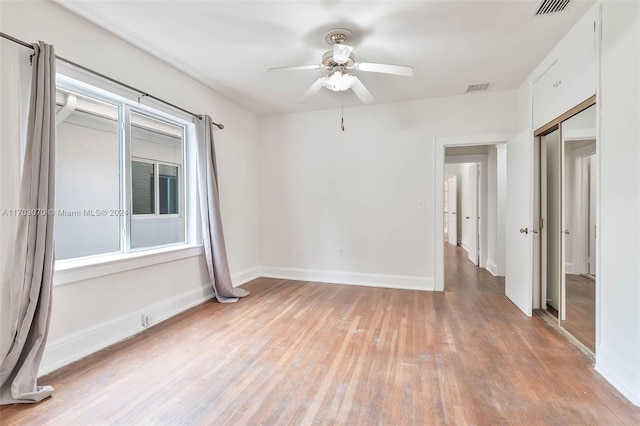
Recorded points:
(578, 226)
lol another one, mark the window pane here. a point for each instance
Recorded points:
(169, 200)
(143, 187)
(87, 177)
(161, 143)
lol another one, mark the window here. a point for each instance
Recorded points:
(120, 175)
(145, 190)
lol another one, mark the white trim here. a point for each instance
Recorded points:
(620, 373)
(70, 271)
(407, 282)
(438, 225)
(245, 276)
(73, 347)
(568, 268)
(492, 267)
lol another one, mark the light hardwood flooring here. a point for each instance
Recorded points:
(581, 309)
(310, 353)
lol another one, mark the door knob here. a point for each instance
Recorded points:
(524, 230)
(566, 231)
(453, 212)
(467, 217)
(534, 230)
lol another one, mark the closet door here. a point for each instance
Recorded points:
(578, 226)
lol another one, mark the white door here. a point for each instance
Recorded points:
(519, 240)
(471, 217)
(452, 200)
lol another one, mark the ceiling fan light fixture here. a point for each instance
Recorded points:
(338, 81)
(341, 53)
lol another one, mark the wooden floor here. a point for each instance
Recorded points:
(310, 353)
(581, 309)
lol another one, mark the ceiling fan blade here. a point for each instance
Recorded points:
(296, 68)
(362, 92)
(315, 87)
(385, 68)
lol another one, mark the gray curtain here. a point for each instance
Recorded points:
(30, 276)
(212, 234)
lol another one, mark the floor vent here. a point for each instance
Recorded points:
(551, 6)
(478, 87)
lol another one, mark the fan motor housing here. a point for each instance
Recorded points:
(329, 63)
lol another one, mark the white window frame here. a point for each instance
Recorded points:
(82, 268)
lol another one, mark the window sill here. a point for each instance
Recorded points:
(74, 270)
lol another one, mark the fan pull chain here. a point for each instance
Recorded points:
(342, 106)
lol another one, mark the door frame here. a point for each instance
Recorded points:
(440, 143)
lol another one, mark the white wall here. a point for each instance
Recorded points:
(495, 207)
(88, 313)
(323, 189)
(618, 346)
(618, 322)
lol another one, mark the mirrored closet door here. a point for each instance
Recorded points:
(578, 226)
(567, 190)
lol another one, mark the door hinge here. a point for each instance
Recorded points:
(540, 223)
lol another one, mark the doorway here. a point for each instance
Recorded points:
(462, 205)
(473, 149)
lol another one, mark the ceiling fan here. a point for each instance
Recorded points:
(339, 63)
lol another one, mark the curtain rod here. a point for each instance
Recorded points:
(143, 94)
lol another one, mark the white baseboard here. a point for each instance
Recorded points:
(408, 282)
(464, 245)
(245, 276)
(492, 268)
(85, 342)
(568, 268)
(620, 373)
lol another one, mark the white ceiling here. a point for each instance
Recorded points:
(229, 45)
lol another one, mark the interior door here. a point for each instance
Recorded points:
(452, 206)
(472, 214)
(519, 240)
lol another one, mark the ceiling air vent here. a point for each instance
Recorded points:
(551, 6)
(478, 87)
